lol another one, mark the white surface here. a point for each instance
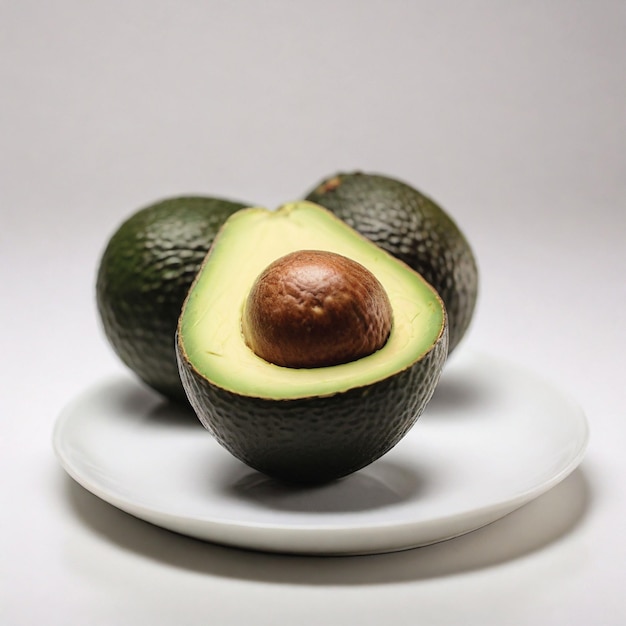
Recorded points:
(510, 114)
(460, 468)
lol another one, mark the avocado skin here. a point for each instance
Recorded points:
(413, 228)
(318, 439)
(144, 274)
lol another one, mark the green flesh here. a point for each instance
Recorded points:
(210, 337)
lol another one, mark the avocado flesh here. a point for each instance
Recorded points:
(211, 324)
(305, 425)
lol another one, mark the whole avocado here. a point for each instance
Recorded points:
(144, 275)
(413, 228)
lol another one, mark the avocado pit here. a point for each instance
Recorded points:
(313, 308)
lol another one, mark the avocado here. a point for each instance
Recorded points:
(143, 277)
(415, 229)
(303, 278)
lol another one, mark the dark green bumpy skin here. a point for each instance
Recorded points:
(414, 229)
(143, 278)
(318, 439)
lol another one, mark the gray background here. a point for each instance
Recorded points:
(510, 114)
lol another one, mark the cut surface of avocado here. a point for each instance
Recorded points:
(210, 338)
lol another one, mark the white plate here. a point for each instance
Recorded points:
(494, 437)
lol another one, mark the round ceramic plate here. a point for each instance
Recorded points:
(493, 437)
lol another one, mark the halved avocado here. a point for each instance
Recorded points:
(305, 424)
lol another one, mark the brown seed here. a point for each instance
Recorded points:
(314, 308)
